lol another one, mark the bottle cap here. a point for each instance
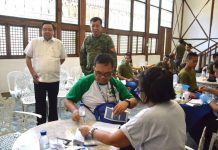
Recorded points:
(43, 132)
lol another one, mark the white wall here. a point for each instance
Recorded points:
(71, 64)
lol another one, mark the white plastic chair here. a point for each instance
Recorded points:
(21, 87)
(201, 142)
(63, 90)
(9, 130)
(214, 141)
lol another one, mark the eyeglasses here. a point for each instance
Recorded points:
(100, 74)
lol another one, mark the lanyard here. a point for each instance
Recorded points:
(102, 93)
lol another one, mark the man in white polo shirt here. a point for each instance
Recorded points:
(44, 55)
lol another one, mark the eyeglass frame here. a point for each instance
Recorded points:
(100, 74)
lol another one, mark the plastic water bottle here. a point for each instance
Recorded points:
(82, 113)
(178, 91)
(43, 140)
(175, 80)
(203, 74)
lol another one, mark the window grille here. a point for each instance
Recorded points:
(3, 50)
(32, 33)
(123, 44)
(69, 41)
(16, 40)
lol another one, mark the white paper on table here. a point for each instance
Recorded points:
(74, 136)
(195, 102)
(106, 126)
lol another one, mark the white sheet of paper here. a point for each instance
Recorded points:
(195, 102)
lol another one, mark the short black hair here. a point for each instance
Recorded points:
(104, 58)
(94, 19)
(157, 84)
(215, 55)
(189, 45)
(181, 41)
(191, 55)
(167, 56)
(48, 22)
(216, 64)
(128, 54)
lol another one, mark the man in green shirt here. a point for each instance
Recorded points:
(94, 44)
(188, 49)
(211, 67)
(165, 64)
(188, 75)
(180, 49)
(98, 88)
(125, 72)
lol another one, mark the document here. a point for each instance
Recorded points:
(122, 118)
(195, 102)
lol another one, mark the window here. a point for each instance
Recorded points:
(137, 45)
(32, 33)
(154, 17)
(152, 44)
(95, 8)
(16, 36)
(123, 44)
(114, 38)
(166, 13)
(166, 18)
(69, 41)
(167, 4)
(37, 9)
(3, 51)
(155, 2)
(88, 33)
(70, 11)
(119, 14)
(139, 16)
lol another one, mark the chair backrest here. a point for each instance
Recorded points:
(213, 141)
(202, 139)
(15, 82)
(19, 84)
(63, 78)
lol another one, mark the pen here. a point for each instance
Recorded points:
(89, 145)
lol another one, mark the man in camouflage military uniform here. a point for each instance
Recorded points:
(94, 44)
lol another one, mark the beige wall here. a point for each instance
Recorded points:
(71, 64)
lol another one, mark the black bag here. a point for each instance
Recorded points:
(211, 79)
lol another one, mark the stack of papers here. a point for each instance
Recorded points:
(195, 102)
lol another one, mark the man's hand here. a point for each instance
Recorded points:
(85, 130)
(203, 89)
(75, 116)
(35, 77)
(120, 107)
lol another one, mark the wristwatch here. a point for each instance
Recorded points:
(90, 134)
